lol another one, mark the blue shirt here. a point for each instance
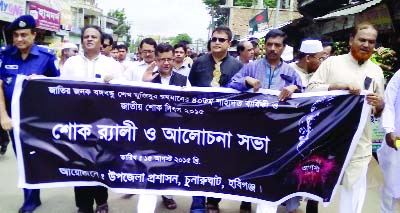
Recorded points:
(40, 61)
(283, 76)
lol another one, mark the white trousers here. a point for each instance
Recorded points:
(352, 200)
(388, 203)
(147, 203)
(263, 208)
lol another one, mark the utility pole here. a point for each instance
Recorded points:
(277, 9)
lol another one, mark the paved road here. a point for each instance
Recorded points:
(61, 200)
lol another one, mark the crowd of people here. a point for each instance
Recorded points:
(313, 70)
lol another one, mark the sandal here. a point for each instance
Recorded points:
(211, 208)
(169, 203)
(102, 208)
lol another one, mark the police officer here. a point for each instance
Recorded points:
(23, 58)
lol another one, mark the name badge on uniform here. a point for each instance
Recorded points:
(11, 67)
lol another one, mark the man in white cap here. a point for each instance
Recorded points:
(310, 57)
(68, 49)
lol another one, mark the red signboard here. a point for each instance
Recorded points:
(46, 18)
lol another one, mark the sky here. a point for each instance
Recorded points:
(163, 17)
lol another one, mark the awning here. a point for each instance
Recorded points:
(349, 10)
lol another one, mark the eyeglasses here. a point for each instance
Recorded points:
(220, 40)
(106, 45)
(147, 51)
(321, 59)
(169, 60)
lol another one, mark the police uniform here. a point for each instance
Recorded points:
(40, 61)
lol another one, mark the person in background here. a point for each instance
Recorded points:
(107, 45)
(310, 56)
(245, 52)
(23, 58)
(329, 49)
(67, 50)
(180, 55)
(355, 72)
(256, 49)
(114, 52)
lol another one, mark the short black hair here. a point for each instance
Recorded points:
(254, 43)
(180, 44)
(93, 27)
(109, 37)
(223, 29)
(327, 44)
(122, 46)
(149, 41)
(276, 33)
(164, 47)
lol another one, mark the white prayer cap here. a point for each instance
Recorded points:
(68, 45)
(311, 46)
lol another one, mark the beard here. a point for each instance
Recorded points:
(360, 57)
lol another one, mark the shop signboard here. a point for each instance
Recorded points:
(46, 18)
(11, 9)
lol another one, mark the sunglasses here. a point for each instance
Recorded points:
(221, 40)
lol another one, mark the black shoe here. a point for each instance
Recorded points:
(25, 211)
(3, 149)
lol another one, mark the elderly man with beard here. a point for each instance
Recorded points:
(355, 72)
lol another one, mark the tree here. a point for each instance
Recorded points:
(250, 3)
(182, 37)
(123, 27)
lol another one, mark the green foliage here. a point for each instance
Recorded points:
(214, 7)
(250, 3)
(182, 37)
(270, 3)
(341, 47)
(385, 58)
(123, 27)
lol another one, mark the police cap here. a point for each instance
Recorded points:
(22, 22)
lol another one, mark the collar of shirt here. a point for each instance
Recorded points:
(269, 65)
(34, 50)
(222, 61)
(87, 59)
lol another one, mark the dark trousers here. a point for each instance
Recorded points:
(31, 199)
(31, 196)
(86, 195)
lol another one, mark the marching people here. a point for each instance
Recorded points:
(355, 72)
(214, 70)
(270, 72)
(90, 65)
(388, 153)
(24, 57)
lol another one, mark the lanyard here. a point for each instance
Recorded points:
(271, 75)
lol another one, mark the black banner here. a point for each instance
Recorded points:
(150, 138)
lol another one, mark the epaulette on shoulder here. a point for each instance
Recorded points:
(46, 50)
(6, 49)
